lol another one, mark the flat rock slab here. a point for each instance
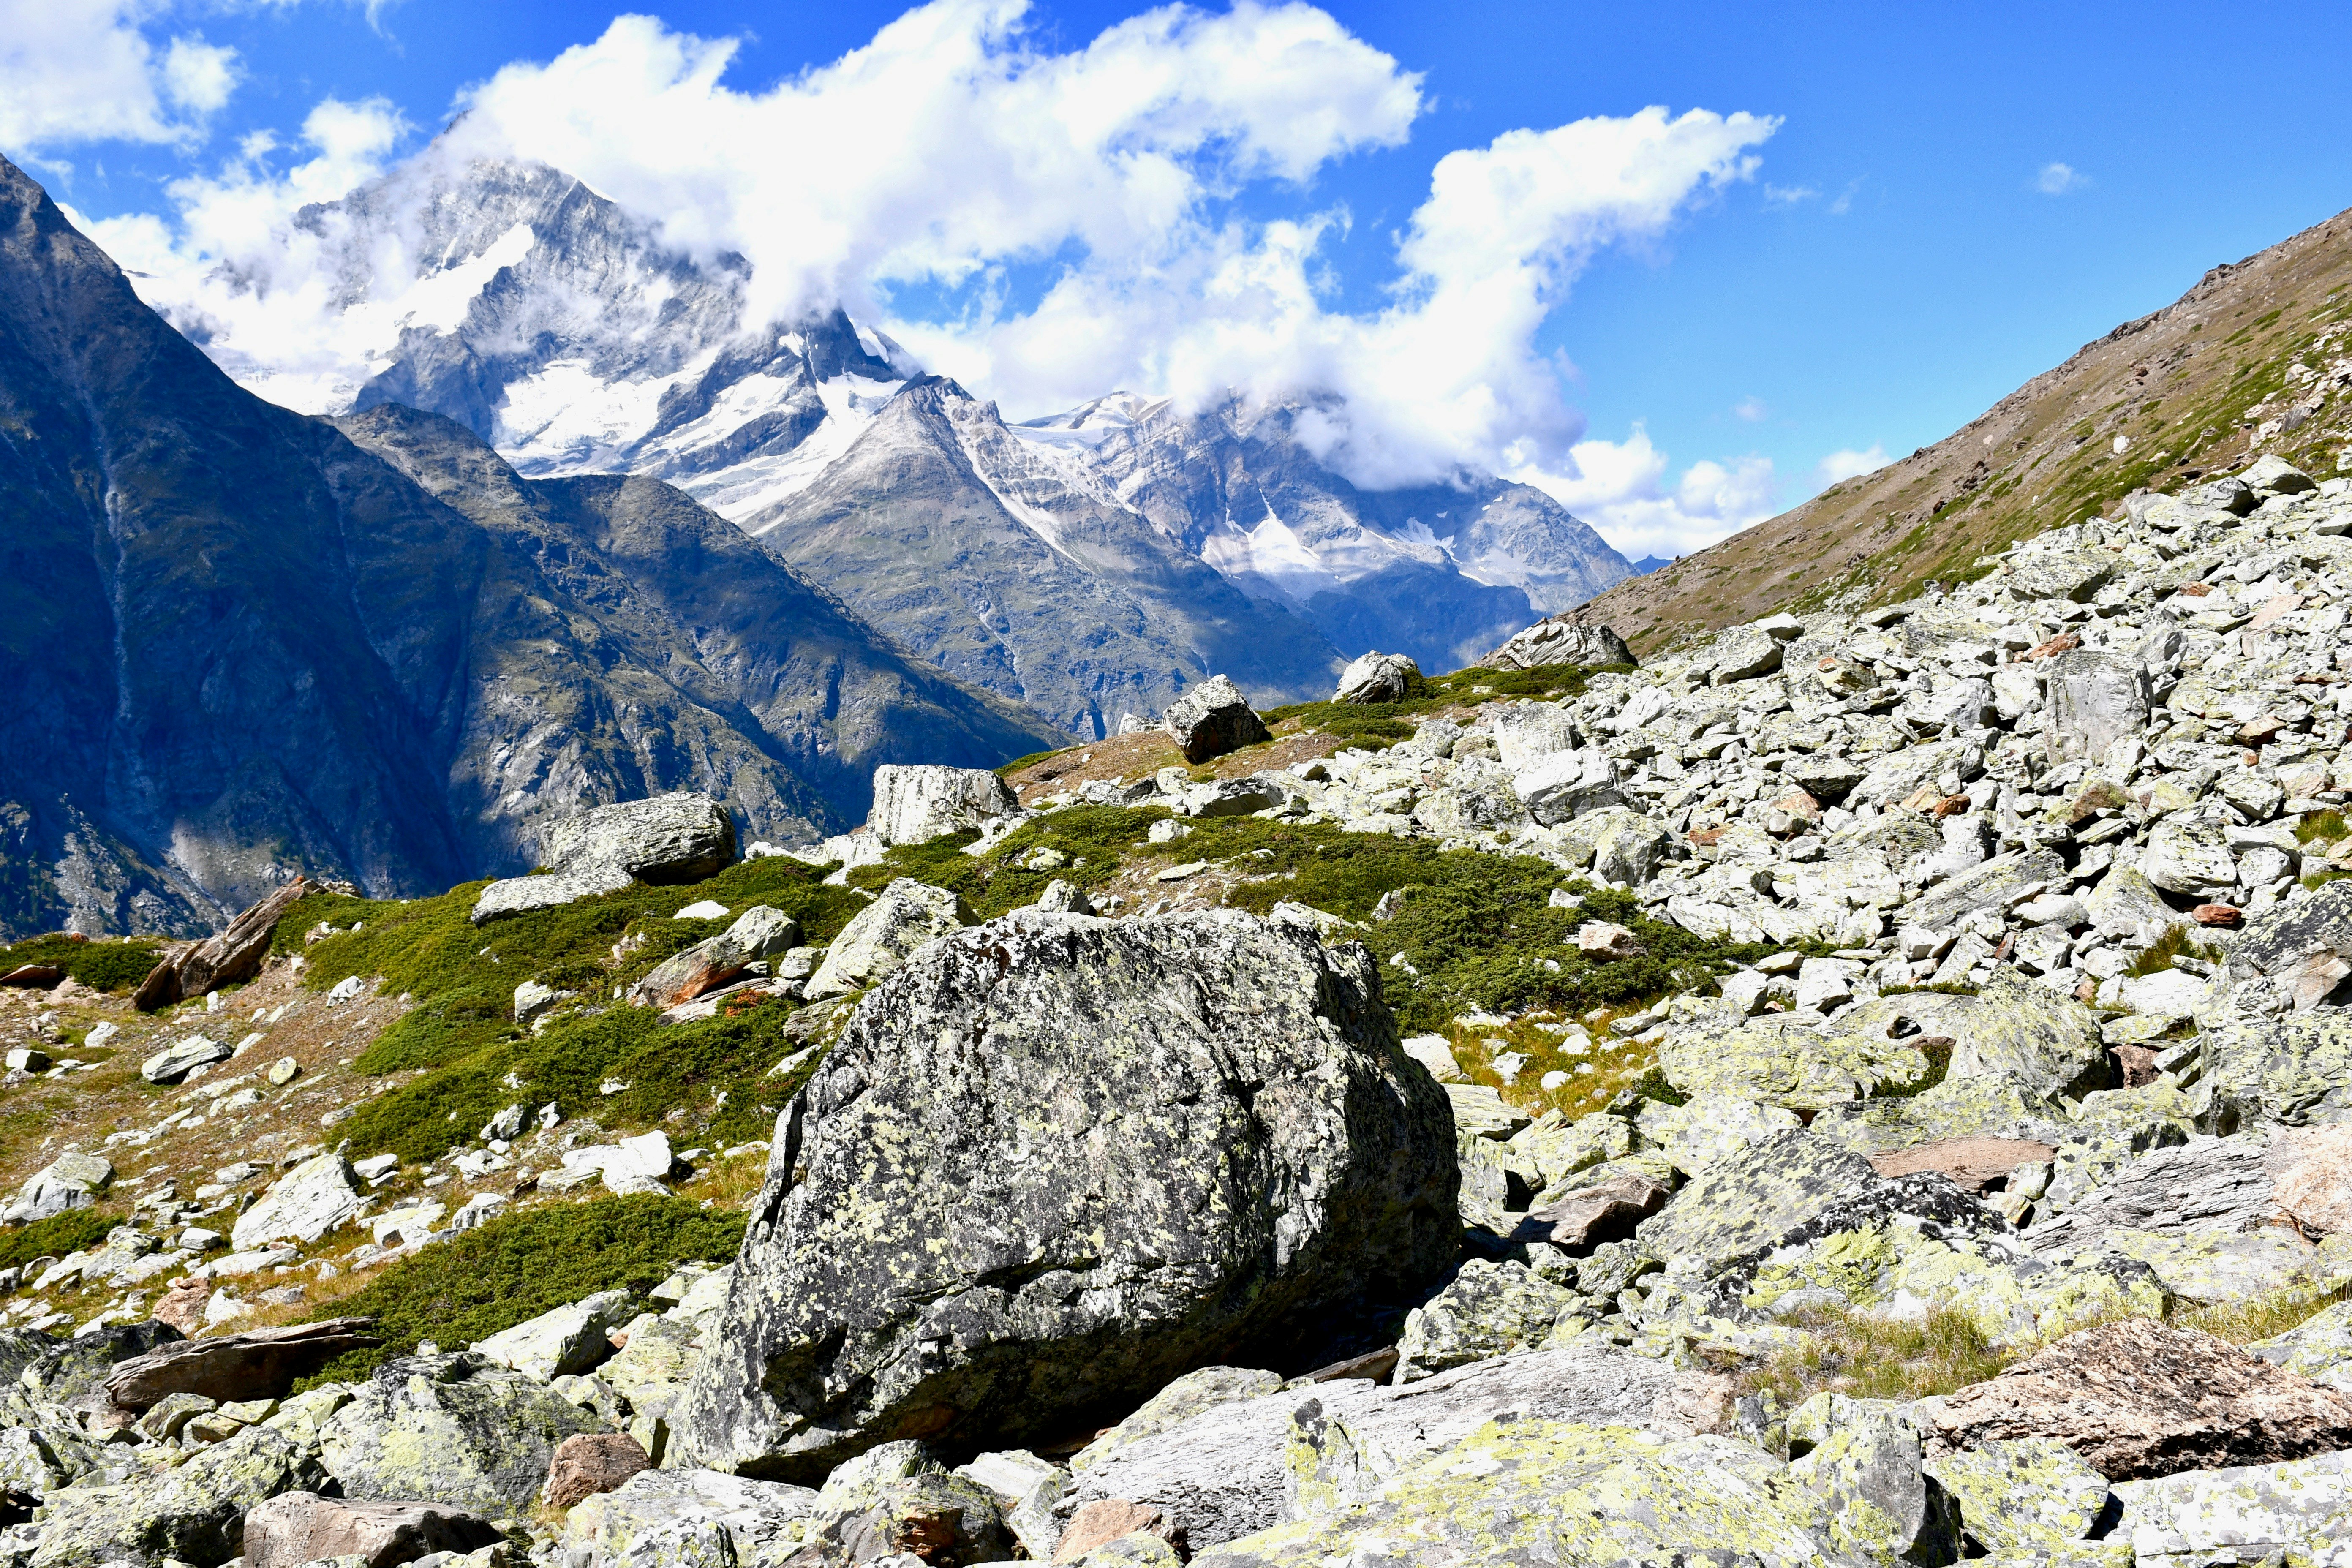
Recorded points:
(2135, 1397)
(1973, 1163)
(1235, 1468)
(299, 1527)
(2218, 1186)
(2297, 1512)
(261, 1364)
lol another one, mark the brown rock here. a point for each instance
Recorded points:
(2135, 1065)
(2311, 1177)
(2216, 915)
(587, 1463)
(2064, 642)
(294, 1528)
(262, 1364)
(1604, 941)
(1975, 1164)
(1104, 1521)
(2135, 1397)
(182, 1305)
(33, 976)
(1605, 1211)
(234, 955)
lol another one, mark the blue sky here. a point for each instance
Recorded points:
(1953, 199)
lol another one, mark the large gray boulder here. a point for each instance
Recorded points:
(684, 1516)
(878, 938)
(71, 1181)
(1377, 677)
(680, 837)
(2275, 1031)
(454, 1429)
(1558, 640)
(1053, 1163)
(1213, 719)
(916, 805)
(2095, 700)
(308, 1202)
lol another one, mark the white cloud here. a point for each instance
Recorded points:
(1790, 196)
(1751, 409)
(1846, 464)
(2059, 179)
(1622, 488)
(75, 71)
(926, 180)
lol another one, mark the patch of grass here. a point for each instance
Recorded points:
(2321, 827)
(2177, 942)
(714, 1069)
(100, 965)
(1375, 725)
(1476, 930)
(1869, 1357)
(72, 1231)
(2244, 1323)
(1092, 841)
(515, 1267)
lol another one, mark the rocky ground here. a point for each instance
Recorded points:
(1861, 1089)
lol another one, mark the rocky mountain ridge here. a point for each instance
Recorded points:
(247, 647)
(2251, 361)
(553, 324)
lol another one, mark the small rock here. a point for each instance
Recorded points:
(587, 1463)
(1603, 942)
(283, 1071)
(175, 1061)
(1377, 677)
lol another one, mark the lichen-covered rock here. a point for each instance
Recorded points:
(1536, 1491)
(2022, 1494)
(1178, 1403)
(2276, 1037)
(2190, 854)
(2011, 1029)
(1957, 1108)
(1055, 1163)
(917, 804)
(1861, 1459)
(2295, 1512)
(2140, 1399)
(1791, 1066)
(194, 1513)
(1212, 719)
(2217, 1186)
(652, 1370)
(679, 837)
(1489, 1309)
(557, 1343)
(454, 1429)
(1784, 1193)
(2318, 1348)
(878, 938)
(1238, 1468)
(71, 1181)
(308, 1202)
(2095, 700)
(689, 1519)
(898, 1499)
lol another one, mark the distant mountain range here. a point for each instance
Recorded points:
(240, 643)
(1090, 565)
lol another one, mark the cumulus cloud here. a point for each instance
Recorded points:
(1625, 489)
(1847, 463)
(1044, 224)
(2059, 179)
(87, 71)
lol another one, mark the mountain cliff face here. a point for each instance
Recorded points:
(554, 325)
(241, 645)
(2254, 359)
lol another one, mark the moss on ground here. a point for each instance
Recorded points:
(511, 1270)
(460, 1028)
(73, 1231)
(100, 965)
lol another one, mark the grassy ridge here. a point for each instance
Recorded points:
(100, 965)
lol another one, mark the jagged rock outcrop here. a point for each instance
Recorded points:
(941, 1184)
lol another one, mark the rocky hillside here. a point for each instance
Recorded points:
(243, 646)
(2253, 360)
(552, 323)
(1869, 1088)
